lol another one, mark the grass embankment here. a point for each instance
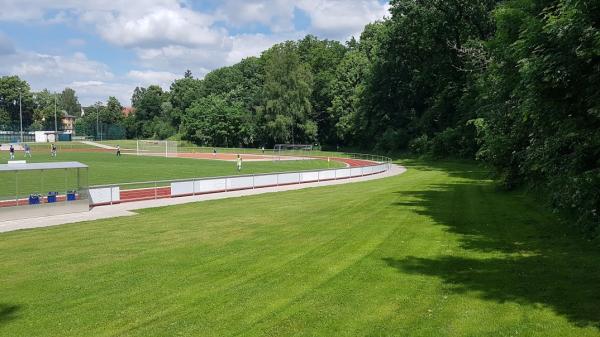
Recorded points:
(436, 251)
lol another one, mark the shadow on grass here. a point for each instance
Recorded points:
(8, 313)
(518, 251)
(467, 169)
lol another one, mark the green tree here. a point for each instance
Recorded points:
(417, 76)
(287, 91)
(69, 102)
(113, 112)
(215, 121)
(323, 57)
(91, 122)
(46, 109)
(184, 91)
(147, 105)
(148, 110)
(10, 88)
(347, 90)
(539, 102)
(5, 122)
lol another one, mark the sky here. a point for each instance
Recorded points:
(107, 48)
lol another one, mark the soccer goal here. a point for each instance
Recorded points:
(167, 148)
(292, 150)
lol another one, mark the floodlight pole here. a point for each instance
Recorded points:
(97, 115)
(55, 123)
(21, 116)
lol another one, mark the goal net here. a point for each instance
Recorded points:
(292, 149)
(166, 148)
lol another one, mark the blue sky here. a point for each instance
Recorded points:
(102, 48)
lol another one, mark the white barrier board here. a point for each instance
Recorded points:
(211, 185)
(265, 180)
(288, 178)
(342, 173)
(182, 188)
(309, 176)
(325, 175)
(356, 171)
(380, 168)
(104, 195)
(239, 183)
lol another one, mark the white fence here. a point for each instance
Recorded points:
(110, 194)
(104, 195)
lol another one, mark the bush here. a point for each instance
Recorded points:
(420, 145)
(392, 140)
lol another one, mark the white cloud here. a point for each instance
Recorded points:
(33, 65)
(89, 92)
(278, 15)
(148, 77)
(160, 27)
(127, 23)
(167, 37)
(55, 72)
(339, 19)
(246, 45)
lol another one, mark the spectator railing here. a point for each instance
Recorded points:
(358, 165)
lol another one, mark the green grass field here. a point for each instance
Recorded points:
(106, 168)
(130, 145)
(437, 251)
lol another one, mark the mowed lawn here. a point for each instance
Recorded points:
(131, 145)
(437, 251)
(106, 168)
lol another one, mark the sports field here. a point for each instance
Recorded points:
(106, 168)
(437, 251)
(130, 145)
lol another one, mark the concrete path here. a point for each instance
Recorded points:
(103, 146)
(126, 209)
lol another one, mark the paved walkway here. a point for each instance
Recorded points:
(103, 146)
(126, 209)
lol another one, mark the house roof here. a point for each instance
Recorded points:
(128, 111)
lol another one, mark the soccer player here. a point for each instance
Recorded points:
(53, 150)
(27, 150)
(118, 151)
(239, 163)
(214, 151)
(12, 152)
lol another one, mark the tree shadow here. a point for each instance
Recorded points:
(453, 168)
(8, 312)
(521, 253)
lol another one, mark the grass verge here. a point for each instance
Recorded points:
(437, 251)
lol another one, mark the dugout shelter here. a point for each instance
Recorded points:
(31, 190)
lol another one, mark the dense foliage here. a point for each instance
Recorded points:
(539, 102)
(41, 110)
(514, 83)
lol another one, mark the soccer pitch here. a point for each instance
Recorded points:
(437, 251)
(107, 168)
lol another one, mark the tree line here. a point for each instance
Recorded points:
(37, 109)
(513, 83)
